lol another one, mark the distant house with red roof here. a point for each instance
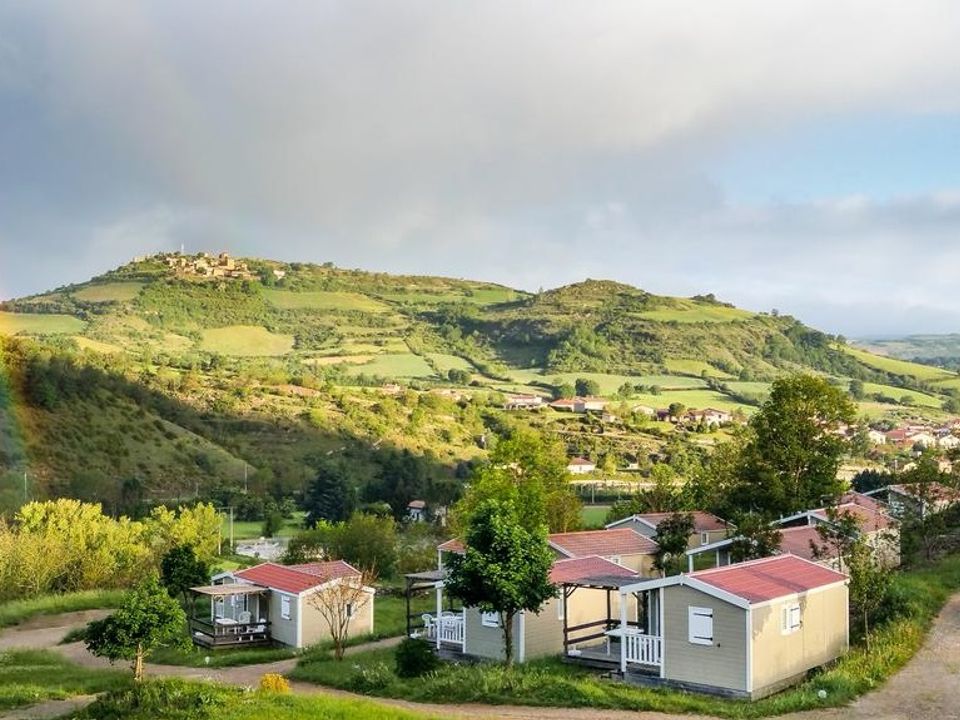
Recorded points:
(273, 600)
(580, 466)
(707, 527)
(743, 630)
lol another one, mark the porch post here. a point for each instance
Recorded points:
(689, 563)
(407, 598)
(660, 630)
(623, 633)
(439, 611)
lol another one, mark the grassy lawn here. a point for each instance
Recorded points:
(109, 292)
(246, 341)
(227, 657)
(594, 516)
(39, 324)
(323, 300)
(182, 700)
(898, 367)
(18, 611)
(549, 682)
(249, 529)
(29, 676)
(400, 365)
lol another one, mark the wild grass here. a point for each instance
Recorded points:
(18, 611)
(549, 682)
(227, 657)
(183, 700)
(39, 324)
(926, 373)
(246, 341)
(30, 676)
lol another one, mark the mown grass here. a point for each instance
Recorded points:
(183, 700)
(246, 341)
(548, 682)
(39, 324)
(594, 516)
(227, 657)
(18, 611)
(30, 676)
(399, 365)
(250, 529)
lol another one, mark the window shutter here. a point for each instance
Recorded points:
(284, 607)
(700, 625)
(490, 619)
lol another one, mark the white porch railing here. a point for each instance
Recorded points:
(643, 649)
(450, 628)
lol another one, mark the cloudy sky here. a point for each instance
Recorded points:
(802, 155)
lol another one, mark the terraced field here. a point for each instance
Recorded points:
(609, 383)
(400, 365)
(246, 341)
(926, 373)
(39, 324)
(323, 300)
(109, 292)
(445, 363)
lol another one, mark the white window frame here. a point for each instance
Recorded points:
(350, 610)
(490, 619)
(285, 607)
(696, 617)
(791, 619)
(704, 537)
(561, 605)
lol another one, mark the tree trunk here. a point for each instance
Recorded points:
(138, 664)
(866, 629)
(507, 619)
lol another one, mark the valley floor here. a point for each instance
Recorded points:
(926, 689)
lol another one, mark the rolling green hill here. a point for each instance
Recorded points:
(167, 383)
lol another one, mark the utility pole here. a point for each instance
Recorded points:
(24, 487)
(231, 528)
(244, 477)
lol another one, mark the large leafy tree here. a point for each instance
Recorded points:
(756, 538)
(505, 568)
(181, 569)
(672, 537)
(791, 459)
(530, 472)
(331, 495)
(147, 619)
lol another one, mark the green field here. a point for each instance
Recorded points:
(109, 292)
(323, 300)
(693, 367)
(95, 345)
(609, 383)
(916, 398)
(926, 373)
(39, 324)
(246, 341)
(445, 363)
(250, 529)
(400, 365)
(594, 516)
(754, 388)
(691, 312)
(484, 296)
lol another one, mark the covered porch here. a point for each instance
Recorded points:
(444, 627)
(229, 615)
(626, 641)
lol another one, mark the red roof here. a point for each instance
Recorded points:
(579, 461)
(605, 543)
(454, 545)
(769, 578)
(796, 541)
(702, 521)
(868, 519)
(577, 569)
(296, 578)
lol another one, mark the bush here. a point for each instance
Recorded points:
(414, 657)
(274, 683)
(370, 678)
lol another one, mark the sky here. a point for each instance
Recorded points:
(799, 155)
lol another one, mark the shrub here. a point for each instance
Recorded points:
(414, 657)
(274, 683)
(370, 678)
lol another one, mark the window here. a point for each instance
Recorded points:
(561, 605)
(489, 619)
(284, 607)
(791, 618)
(704, 538)
(349, 610)
(700, 625)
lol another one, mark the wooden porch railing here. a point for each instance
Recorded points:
(213, 635)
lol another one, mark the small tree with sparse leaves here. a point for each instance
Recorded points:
(147, 619)
(339, 601)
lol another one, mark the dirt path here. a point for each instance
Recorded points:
(928, 688)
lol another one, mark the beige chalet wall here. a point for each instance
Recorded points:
(712, 537)
(821, 638)
(642, 564)
(723, 664)
(544, 632)
(316, 628)
(283, 631)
